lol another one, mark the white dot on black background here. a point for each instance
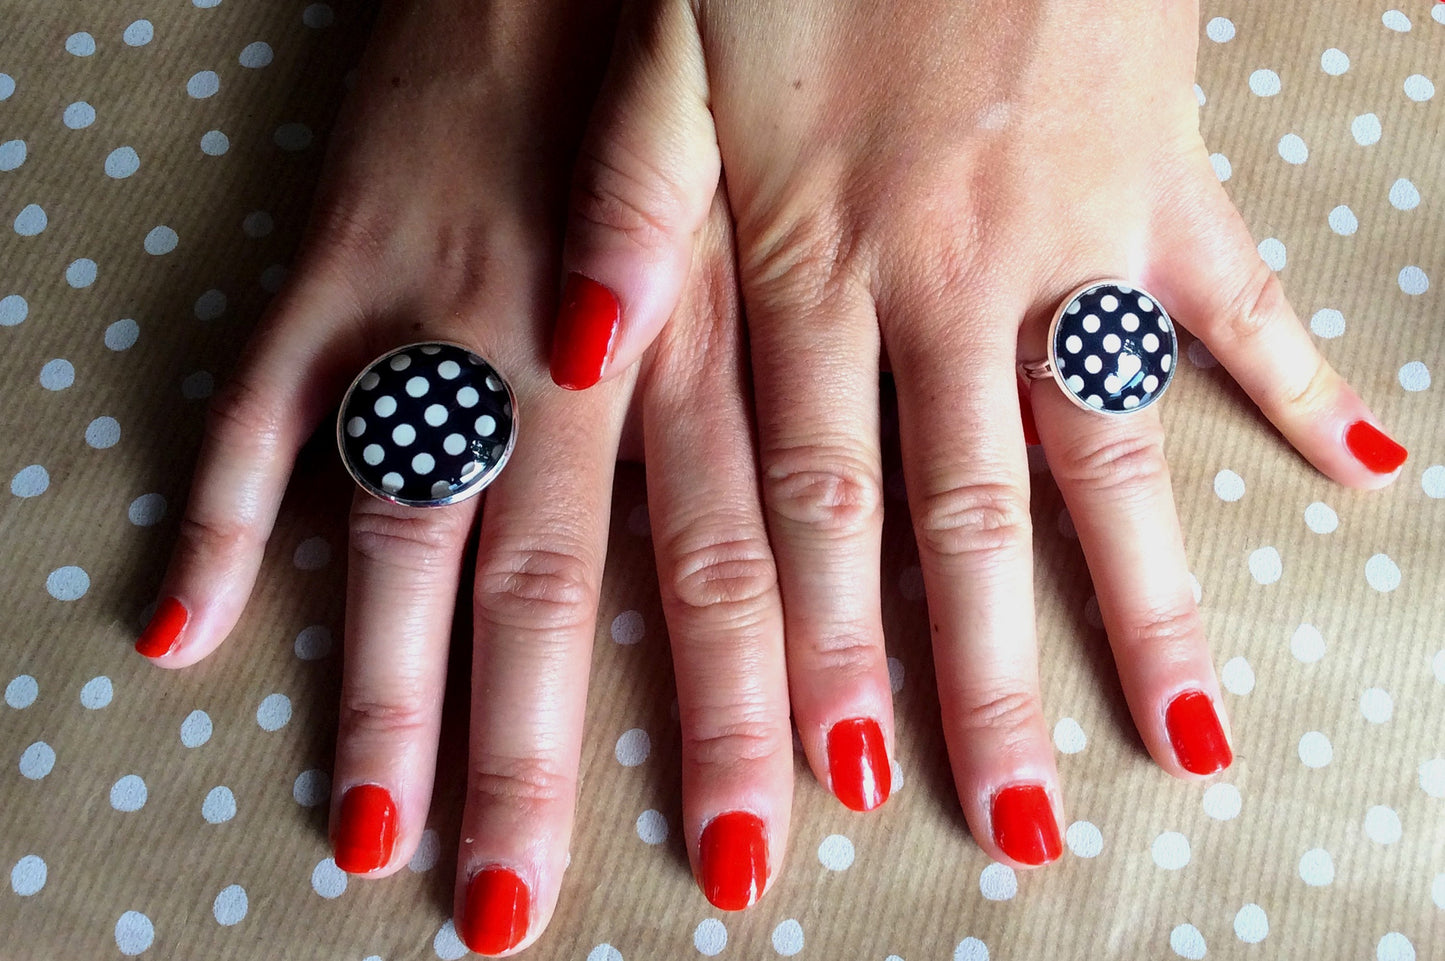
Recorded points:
(1101, 357)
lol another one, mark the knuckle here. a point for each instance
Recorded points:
(1316, 392)
(644, 207)
(529, 782)
(1009, 717)
(1254, 306)
(746, 738)
(1132, 462)
(847, 655)
(243, 415)
(415, 543)
(827, 489)
(808, 259)
(973, 519)
(726, 577)
(1171, 633)
(530, 586)
(400, 713)
(213, 537)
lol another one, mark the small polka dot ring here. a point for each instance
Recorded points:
(427, 425)
(1112, 348)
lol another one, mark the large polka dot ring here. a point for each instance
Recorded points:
(1112, 348)
(427, 425)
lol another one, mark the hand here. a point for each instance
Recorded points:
(929, 179)
(446, 178)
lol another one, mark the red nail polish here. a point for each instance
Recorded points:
(498, 904)
(1026, 410)
(365, 829)
(164, 629)
(1373, 448)
(733, 857)
(858, 763)
(587, 325)
(1023, 824)
(1196, 734)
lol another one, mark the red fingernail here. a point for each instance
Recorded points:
(1023, 824)
(1374, 448)
(733, 855)
(587, 324)
(1196, 734)
(498, 903)
(164, 629)
(858, 763)
(365, 829)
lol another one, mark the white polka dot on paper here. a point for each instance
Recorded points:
(215, 143)
(1394, 947)
(1237, 676)
(1084, 839)
(896, 674)
(1293, 149)
(37, 760)
(836, 853)
(1228, 486)
(1432, 777)
(311, 787)
(219, 805)
(1437, 887)
(632, 747)
(1343, 221)
(628, 627)
(313, 642)
(121, 162)
(1438, 12)
(1327, 324)
(1186, 941)
(1265, 565)
(67, 583)
(230, 906)
(1196, 588)
(1315, 750)
(196, 729)
(1395, 20)
(998, 882)
(1382, 573)
(969, 949)
(788, 938)
(1223, 169)
(21, 692)
(12, 154)
(1366, 129)
(428, 852)
(78, 115)
(1264, 83)
(1170, 850)
(80, 44)
(210, 305)
(312, 554)
(28, 875)
(710, 937)
(102, 433)
(273, 277)
(274, 712)
(1251, 924)
(1069, 737)
(1321, 518)
(134, 933)
(897, 771)
(1334, 62)
(1419, 88)
(31, 221)
(1222, 802)
(7, 86)
(318, 16)
(258, 224)
(1220, 30)
(96, 693)
(328, 880)
(1415, 376)
(1199, 95)
(1376, 705)
(1413, 281)
(1382, 825)
(1404, 195)
(1307, 644)
(651, 827)
(128, 793)
(604, 952)
(146, 510)
(161, 240)
(1317, 868)
(292, 137)
(203, 84)
(139, 33)
(122, 334)
(13, 310)
(256, 55)
(1272, 252)
(447, 945)
(910, 583)
(1438, 665)
(30, 481)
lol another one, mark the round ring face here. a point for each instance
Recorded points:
(426, 425)
(1113, 348)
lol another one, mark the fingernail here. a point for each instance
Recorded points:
(1196, 734)
(587, 324)
(733, 855)
(365, 829)
(1374, 448)
(858, 763)
(164, 629)
(498, 903)
(1023, 824)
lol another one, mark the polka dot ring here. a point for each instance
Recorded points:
(427, 425)
(1112, 348)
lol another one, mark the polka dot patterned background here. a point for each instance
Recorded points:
(155, 166)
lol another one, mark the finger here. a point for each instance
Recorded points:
(1208, 270)
(539, 570)
(291, 374)
(968, 491)
(642, 188)
(401, 589)
(1114, 479)
(719, 589)
(815, 362)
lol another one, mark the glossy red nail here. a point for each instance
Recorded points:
(587, 324)
(858, 763)
(1023, 824)
(1196, 734)
(498, 904)
(1374, 448)
(365, 829)
(164, 628)
(733, 857)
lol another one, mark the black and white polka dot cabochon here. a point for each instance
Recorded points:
(1112, 348)
(427, 425)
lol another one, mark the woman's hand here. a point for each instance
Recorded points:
(928, 180)
(439, 220)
